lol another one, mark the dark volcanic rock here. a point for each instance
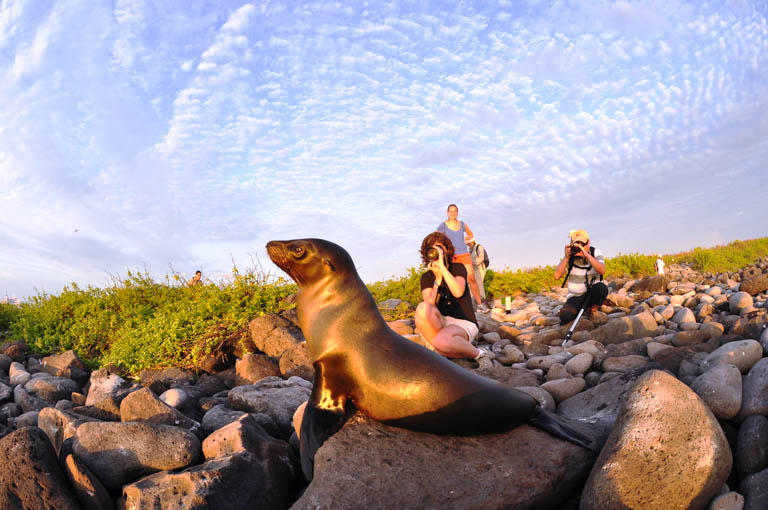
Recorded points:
(666, 450)
(233, 482)
(754, 285)
(119, 452)
(752, 446)
(88, 488)
(754, 488)
(601, 403)
(274, 397)
(143, 405)
(252, 368)
(30, 475)
(651, 284)
(273, 335)
(370, 465)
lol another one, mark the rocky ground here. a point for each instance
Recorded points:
(672, 373)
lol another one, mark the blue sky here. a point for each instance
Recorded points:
(154, 134)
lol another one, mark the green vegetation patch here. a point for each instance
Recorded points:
(730, 257)
(138, 323)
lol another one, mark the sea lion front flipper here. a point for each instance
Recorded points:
(324, 415)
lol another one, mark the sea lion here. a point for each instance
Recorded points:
(361, 363)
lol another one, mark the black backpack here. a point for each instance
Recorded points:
(571, 263)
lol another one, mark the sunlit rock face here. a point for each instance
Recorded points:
(667, 450)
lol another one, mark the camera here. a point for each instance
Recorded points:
(575, 248)
(431, 254)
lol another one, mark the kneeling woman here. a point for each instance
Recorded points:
(445, 317)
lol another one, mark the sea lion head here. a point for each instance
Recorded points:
(309, 261)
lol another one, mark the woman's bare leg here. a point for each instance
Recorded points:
(473, 288)
(452, 342)
(429, 320)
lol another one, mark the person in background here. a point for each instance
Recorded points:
(586, 267)
(445, 317)
(477, 252)
(659, 264)
(458, 232)
(196, 280)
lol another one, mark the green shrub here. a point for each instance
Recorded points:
(633, 265)
(503, 283)
(8, 315)
(138, 323)
(730, 257)
(406, 288)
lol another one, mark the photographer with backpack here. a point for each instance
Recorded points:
(585, 269)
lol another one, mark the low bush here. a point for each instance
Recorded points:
(730, 257)
(138, 323)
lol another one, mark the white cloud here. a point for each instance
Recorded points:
(186, 131)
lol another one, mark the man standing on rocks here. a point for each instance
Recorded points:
(585, 269)
(659, 265)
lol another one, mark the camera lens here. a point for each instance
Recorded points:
(431, 253)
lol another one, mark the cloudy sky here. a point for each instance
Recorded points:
(183, 134)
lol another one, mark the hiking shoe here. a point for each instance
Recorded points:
(483, 359)
(481, 353)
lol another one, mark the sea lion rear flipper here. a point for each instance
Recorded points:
(324, 415)
(564, 428)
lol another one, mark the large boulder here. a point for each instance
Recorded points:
(66, 364)
(296, 361)
(739, 301)
(62, 361)
(59, 425)
(120, 452)
(219, 416)
(667, 450)
(144, 405)
(754, 399)
(252, 368)
(751, 326)
(274, 397)
(625, 328)
(233, 482)
(244, 434)
(720, 388)
(671, 359)
(754, 285)
(273, 335)
(27, 401)
(90, 491)
(51, 388)
(600, 404)
(30, 474)
(755, 490)
(743, 354)
(751, 450)
(6, 393)
(166, 377)
(651, 284)
(106, 391)
(370, 465)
